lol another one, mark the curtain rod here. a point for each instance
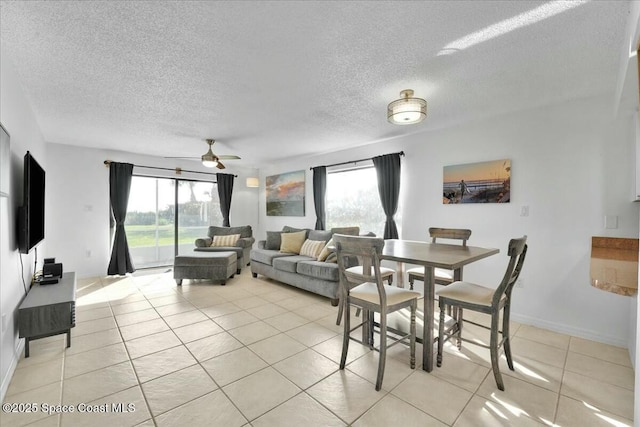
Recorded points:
(356, 161)
(178, 171)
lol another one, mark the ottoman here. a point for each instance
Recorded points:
(205, 265)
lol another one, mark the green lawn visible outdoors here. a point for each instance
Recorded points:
(145, 235)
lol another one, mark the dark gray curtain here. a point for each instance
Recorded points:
(388, 172)
(225, 190)
(119, 186)
(319, 191)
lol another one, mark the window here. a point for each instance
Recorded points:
(352, 199)
(153, 206)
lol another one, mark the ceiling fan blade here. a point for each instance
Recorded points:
(181, 157)
(229, 157)
(220, 165)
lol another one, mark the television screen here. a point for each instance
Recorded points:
(31, 215)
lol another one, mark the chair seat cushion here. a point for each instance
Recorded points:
(467, 292)
(369, 292)
(384, 271)
(439, 273)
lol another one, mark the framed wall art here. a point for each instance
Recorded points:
(484, 182)
(285, 194)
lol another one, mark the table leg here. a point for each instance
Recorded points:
(427, 329)
(400, 274)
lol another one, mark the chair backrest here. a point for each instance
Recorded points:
(517, 253)
(450, 233)
(367, 250)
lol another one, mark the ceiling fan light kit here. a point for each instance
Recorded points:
(407, 110)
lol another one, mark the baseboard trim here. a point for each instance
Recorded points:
(12, 368)
(569, 330)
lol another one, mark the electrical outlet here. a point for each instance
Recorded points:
(520, 283)
(88, 253)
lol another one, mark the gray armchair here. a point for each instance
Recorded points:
(242, 246)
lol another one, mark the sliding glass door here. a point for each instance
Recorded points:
(165, 216)
(198, 207)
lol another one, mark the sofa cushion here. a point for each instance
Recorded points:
(266, 256)
(225, 240)
(273, 240)
(289, 263)
(243, 230)
(320, 235)
(291, 243)
(318, 270)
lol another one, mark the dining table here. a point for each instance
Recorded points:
(431, 256)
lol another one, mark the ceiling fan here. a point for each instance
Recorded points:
(209, 159)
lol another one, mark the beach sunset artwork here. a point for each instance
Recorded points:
(285, 194)
(484, 182)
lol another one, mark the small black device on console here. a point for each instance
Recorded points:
(51, 272)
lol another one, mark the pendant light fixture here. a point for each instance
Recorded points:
(209, 159)
(407, 110)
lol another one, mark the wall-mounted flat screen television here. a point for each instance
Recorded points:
(31, 213)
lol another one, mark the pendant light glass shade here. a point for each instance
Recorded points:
(209, 159)
(407, 110)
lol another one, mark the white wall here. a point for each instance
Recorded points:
(78, 203)
(19, 120)
(571, 164)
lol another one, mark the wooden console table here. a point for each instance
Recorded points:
(48, 310)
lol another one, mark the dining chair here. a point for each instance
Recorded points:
(470, 296)
(442, 276)
(365, 289)
(386, 273)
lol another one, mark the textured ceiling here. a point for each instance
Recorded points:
(270, 80)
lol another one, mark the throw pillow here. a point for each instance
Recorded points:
(228, 240)
(333, 258)
(292, 242)
(324, 253)
(312, 248)
(319, 235)
(273, 240)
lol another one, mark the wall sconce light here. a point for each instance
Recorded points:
(253, 182)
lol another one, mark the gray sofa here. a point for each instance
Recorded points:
(297, 270)
(242, 246)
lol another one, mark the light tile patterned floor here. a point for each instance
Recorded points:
(255, 352)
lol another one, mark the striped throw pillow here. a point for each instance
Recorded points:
(229, 240)
(312, 248)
